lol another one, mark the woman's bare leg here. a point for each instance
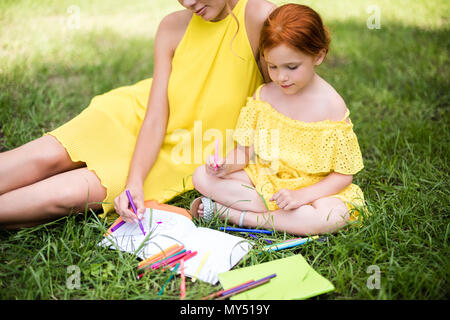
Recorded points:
(32, 162)
(51, 198)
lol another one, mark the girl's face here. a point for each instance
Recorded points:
(209, 10)
(290, 68)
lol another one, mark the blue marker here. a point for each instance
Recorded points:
(245, 230)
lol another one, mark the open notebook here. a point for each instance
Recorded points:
(165, 226)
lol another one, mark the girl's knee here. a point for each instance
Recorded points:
(334, 218)
(199, 179)
(311, 220)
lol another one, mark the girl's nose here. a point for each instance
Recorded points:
(282, 76)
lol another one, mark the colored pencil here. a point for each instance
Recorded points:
(200, 266)
(133, 206)
(249, 286)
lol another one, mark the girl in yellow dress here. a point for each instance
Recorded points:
(148, 137)
(293, 167)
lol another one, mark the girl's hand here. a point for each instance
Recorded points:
(123, 206)
(289, 199)
(213, 168)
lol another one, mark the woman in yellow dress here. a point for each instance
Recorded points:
(148, 137)
(297, 153)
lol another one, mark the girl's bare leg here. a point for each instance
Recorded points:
(32, 162)
(50, 199)
(232, 190)
(326, 215)
(322, 216)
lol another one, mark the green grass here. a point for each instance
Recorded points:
(394, 80)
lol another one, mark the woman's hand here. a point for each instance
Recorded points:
(216, 168)
(290, 199)
(123, 206)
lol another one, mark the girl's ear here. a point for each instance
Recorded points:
(320, 57)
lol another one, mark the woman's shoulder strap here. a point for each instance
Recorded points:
(257, 95)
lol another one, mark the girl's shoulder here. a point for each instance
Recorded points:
(334, 105)
(322, 106)
(266, 90)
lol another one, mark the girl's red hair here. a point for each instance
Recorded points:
(295, 25)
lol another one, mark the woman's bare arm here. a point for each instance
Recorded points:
(154, 125)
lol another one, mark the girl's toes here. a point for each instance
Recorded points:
(200, 210)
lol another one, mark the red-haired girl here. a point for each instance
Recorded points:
(296, 154)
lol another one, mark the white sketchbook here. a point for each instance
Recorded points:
(164, 229)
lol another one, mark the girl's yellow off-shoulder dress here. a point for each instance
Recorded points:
(213, 72)
(292, 154)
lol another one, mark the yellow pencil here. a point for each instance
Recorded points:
(200, 266)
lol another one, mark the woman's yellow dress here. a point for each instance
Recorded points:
(213, 72)
(292, 154)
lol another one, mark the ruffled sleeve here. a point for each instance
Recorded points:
(338, 150)
(244, 133)
(347, 155)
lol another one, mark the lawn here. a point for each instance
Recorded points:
(55, 55)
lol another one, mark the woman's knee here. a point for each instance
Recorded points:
(48, 152)
(82, 188)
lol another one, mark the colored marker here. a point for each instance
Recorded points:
(117, 226)
(183, 280)
(134, 210)
(185, 258)
(218, 293)
(216, 155)
(168, 280)
(170, 260)
(161, 255)
(246, 287)
(200, 266)
(165, 259)
(289, 244)
(245, 230)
